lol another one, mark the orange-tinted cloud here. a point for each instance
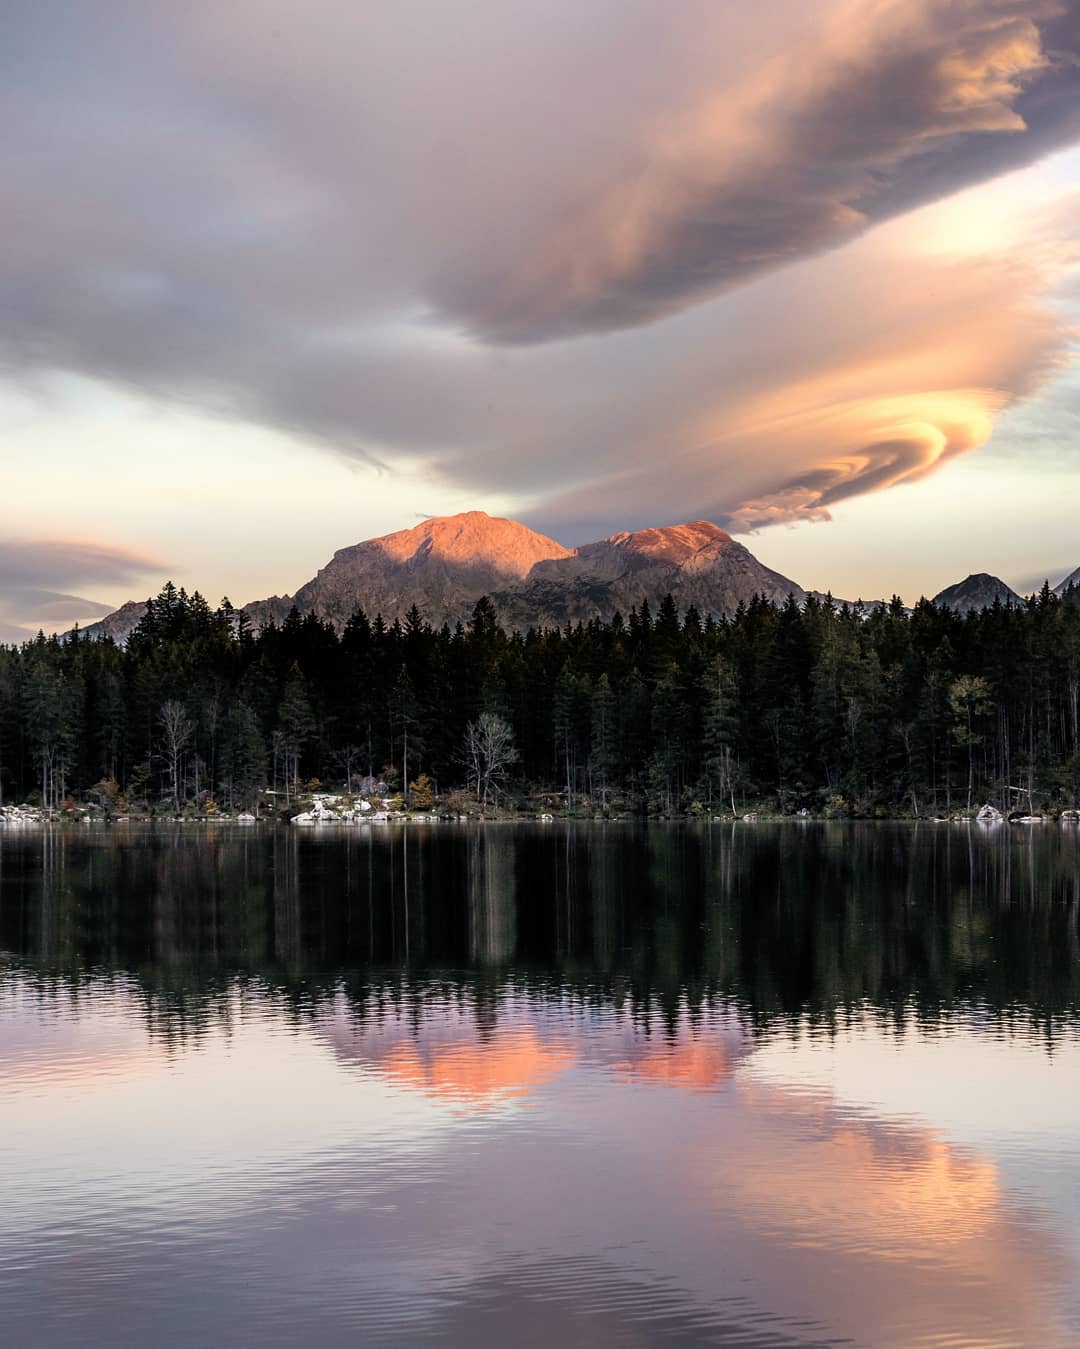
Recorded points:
(545, 249)
(844, 119)
(887, 367)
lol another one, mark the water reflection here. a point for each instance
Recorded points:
(584, 1086)
(443, 1052)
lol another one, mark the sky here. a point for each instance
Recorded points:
(279, 277)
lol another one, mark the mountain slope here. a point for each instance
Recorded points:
(119, 625)
(975, 592)
(696, 563)
(1071, 581)
(443, 566)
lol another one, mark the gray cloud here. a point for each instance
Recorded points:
(450, 232)
(30, 569)
(12, 634)
(48, 605)
(37, 565)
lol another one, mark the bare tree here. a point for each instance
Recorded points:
(489, 753)
(347, 758)
(176, 730)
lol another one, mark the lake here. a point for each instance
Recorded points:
(574, 1085)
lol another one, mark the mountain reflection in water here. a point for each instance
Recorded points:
(606, 1086)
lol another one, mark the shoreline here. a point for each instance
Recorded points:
(430, 819)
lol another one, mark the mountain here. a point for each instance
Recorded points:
(119, 625)
(443, 566)
(1070, 581)
(979, 591)
(697, 564)
(446, 564)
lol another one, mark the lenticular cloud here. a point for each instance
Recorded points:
(542, 247)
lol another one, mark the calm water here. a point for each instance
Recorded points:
(574, 1086)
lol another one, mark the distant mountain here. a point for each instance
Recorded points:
(863, 607)
(119, 625)
(1072, 581)
(980, 591)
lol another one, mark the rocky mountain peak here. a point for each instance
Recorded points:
(470, 539)
(673, 544)
(977, 591)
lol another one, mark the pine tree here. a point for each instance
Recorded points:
(296, 723)
(604, 749)
(247, 757)
(721, 732)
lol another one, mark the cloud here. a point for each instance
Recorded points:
(11, 634)
(48, 605)
(30, 568)
(888, 367)
(627, 249)
(879, 108)
(33, 563)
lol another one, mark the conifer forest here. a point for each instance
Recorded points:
(818, 709)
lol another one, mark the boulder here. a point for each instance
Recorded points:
(23, 814)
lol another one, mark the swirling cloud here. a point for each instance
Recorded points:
(629, 250)
(889, 366)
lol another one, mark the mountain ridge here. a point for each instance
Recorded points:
(697, 563)
(446, 563)
(1070, 582)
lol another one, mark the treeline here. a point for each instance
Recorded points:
(817, 708)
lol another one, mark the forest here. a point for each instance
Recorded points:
(819, 709)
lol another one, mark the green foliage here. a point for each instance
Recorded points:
(774, 708)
